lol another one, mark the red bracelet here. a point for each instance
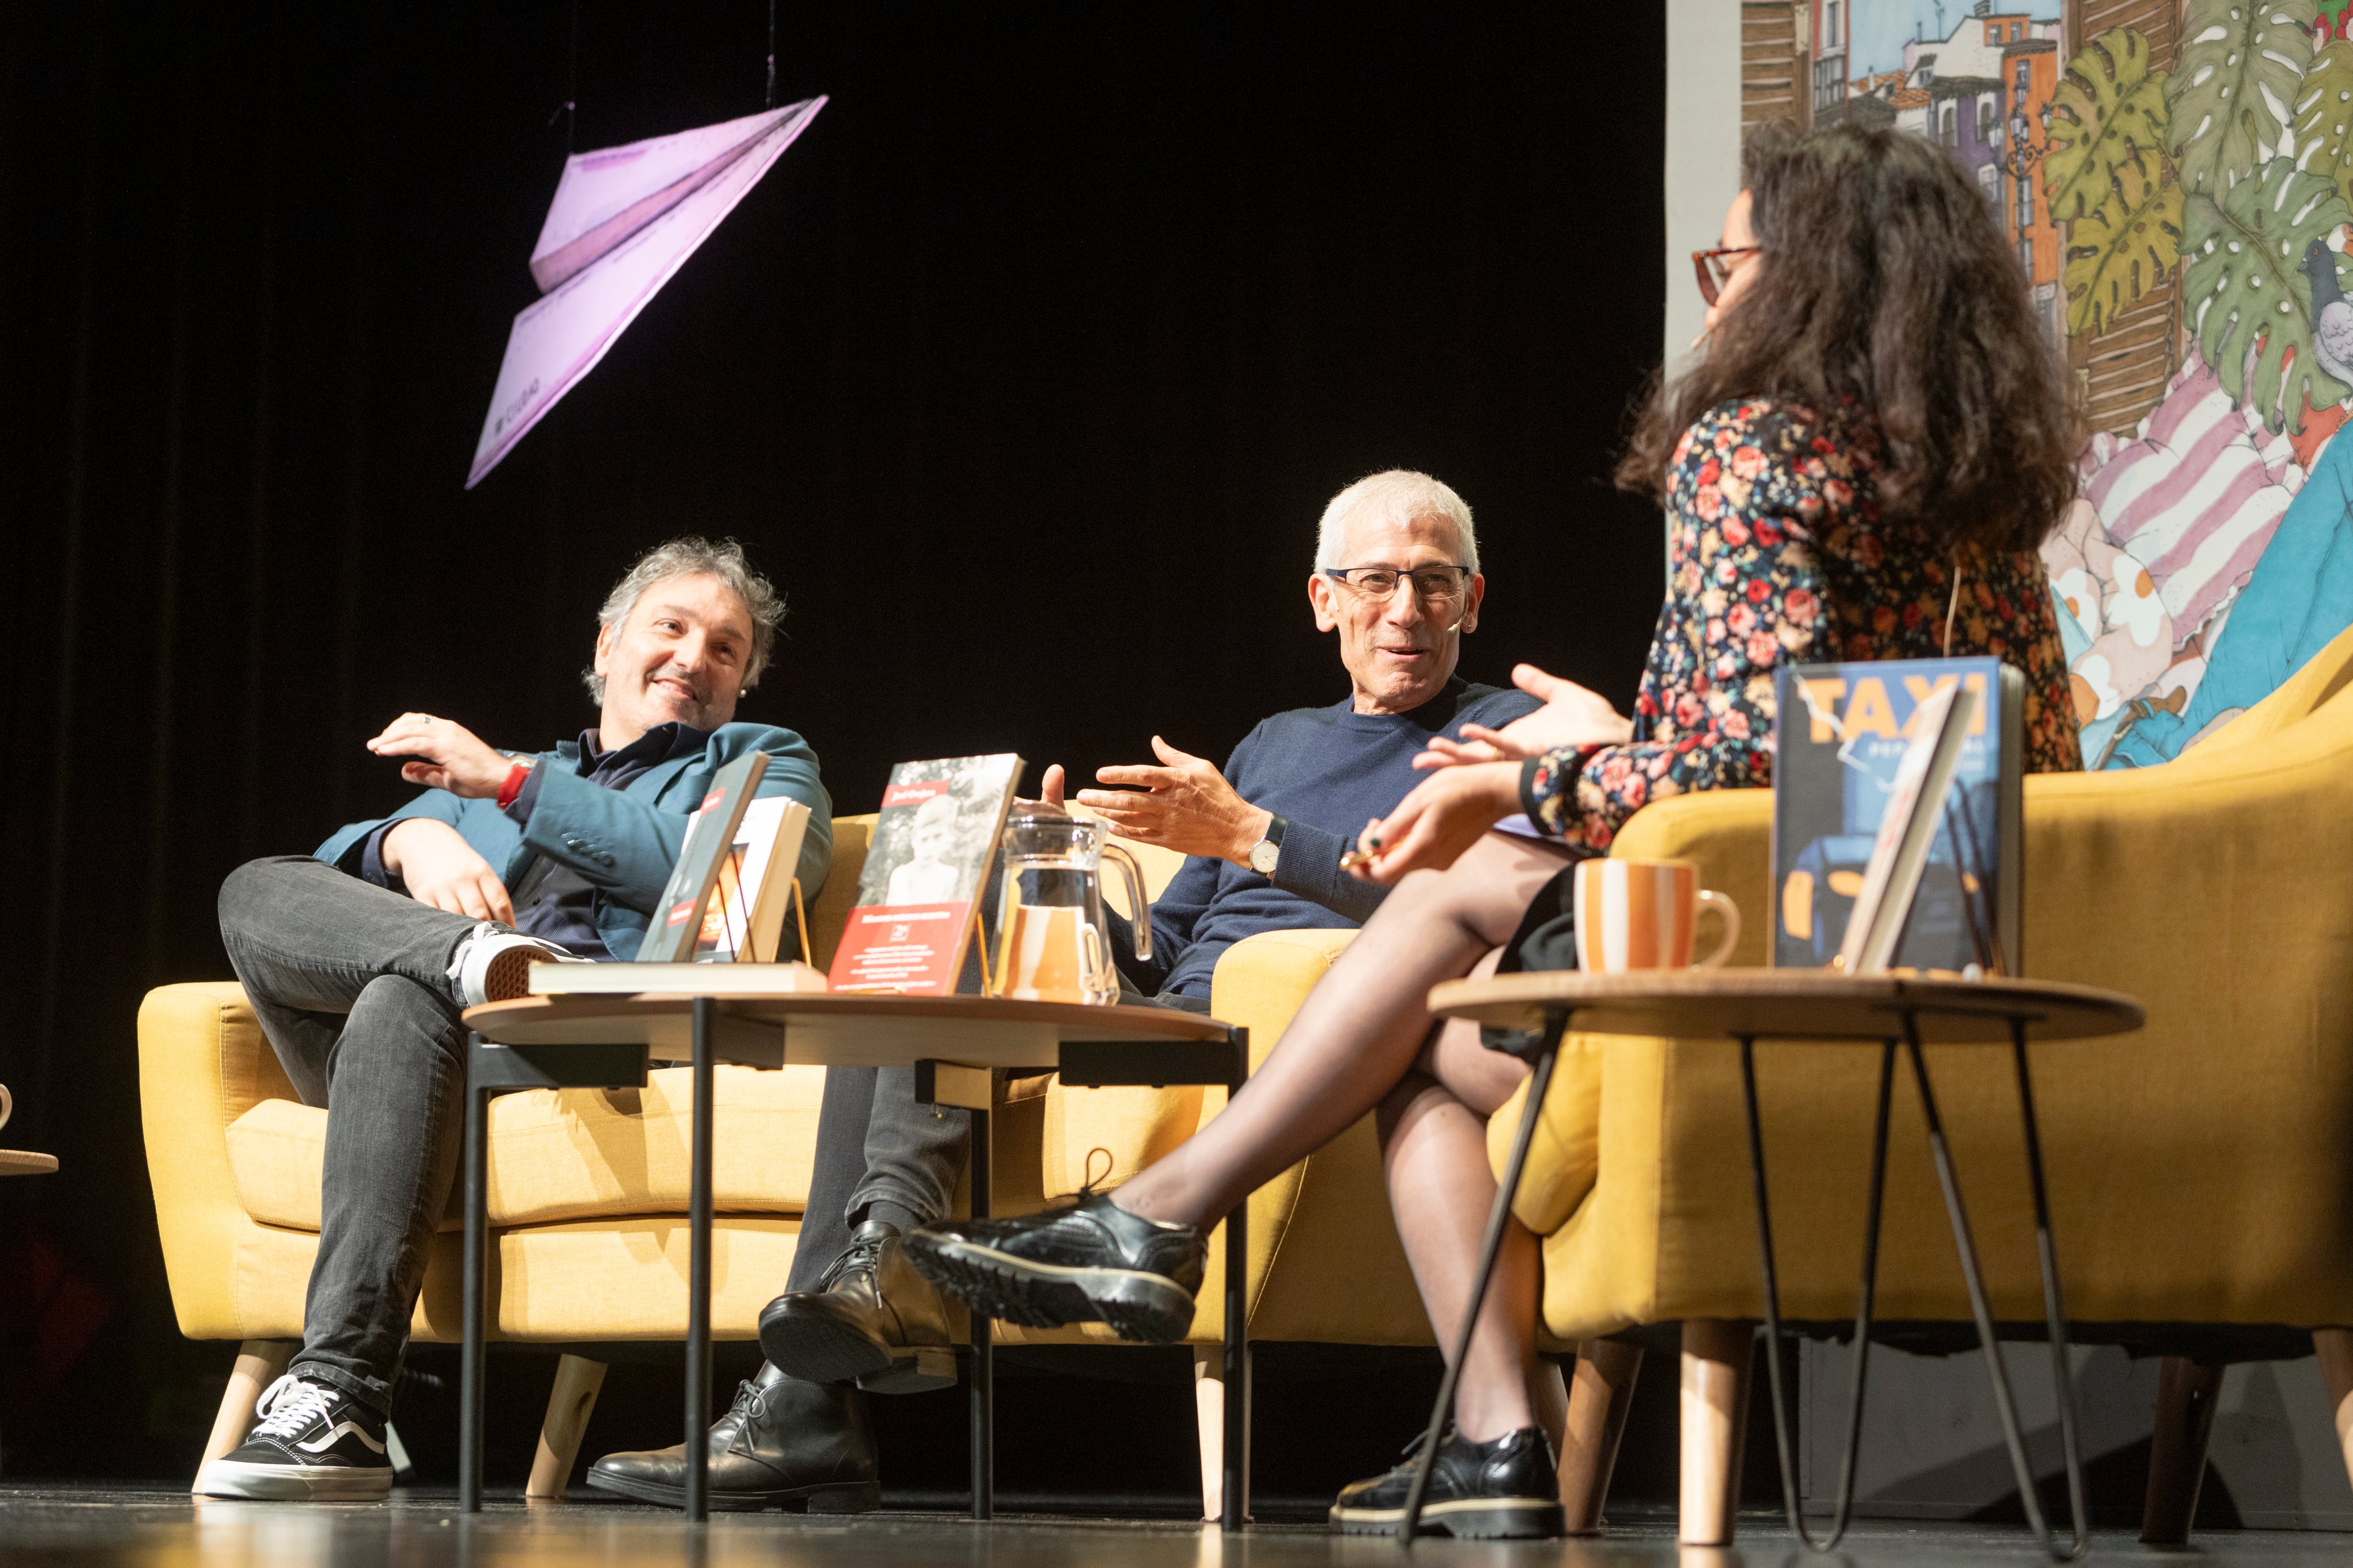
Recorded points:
(513, 787)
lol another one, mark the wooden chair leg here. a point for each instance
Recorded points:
(1209, 1420)
(2334, 1347)
(258, 1364)
(1717, 1352)
(2186, 1392)
(577, 1382)
(1600, 1394)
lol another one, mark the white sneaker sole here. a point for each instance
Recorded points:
(294, 1483)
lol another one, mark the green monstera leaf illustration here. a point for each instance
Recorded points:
(2323, 117)
(2232, 89)
(2109, 107)
(2123, 248)
(2245, 287)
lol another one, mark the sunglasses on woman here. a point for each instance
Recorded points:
(1716, 267)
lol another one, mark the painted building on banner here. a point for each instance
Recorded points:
(2210, 551)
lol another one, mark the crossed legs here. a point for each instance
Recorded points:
(349, 983)
(1363, 1040)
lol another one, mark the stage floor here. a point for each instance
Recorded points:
(65, 1525)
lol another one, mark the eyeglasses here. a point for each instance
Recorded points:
(1715, 268)
(1431, 585)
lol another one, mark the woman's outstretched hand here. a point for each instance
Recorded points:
(1572, 715)
(1444, 815)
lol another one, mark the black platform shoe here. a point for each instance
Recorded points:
(872, 1320)
(783, 1442)
(1087, 1261)
(1508, 1489)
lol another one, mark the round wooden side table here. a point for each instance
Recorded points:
(952, 1043)
(1745, 1005)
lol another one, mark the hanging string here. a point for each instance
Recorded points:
(572, 83)
(568, 107)
(769, 102)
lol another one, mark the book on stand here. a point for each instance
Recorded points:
(745, 921)
(1874, 760)
(920, 889)
(677, 921)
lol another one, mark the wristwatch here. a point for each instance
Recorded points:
(1268, 851)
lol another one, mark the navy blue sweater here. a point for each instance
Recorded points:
(1325, 772)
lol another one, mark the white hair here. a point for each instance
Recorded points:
(1398, 497)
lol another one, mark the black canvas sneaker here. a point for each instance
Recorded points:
(315, 1444)
(1091, 1260)
(1508, 1489)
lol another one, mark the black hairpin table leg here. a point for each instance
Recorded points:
(697, 1271)
(1498, 1218)
(2047, 1255)
(1982, 1309)
(983, 1360)
(1773, 1298)
(469, 1358)
(1234, 1509)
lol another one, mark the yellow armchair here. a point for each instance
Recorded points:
(2196, 1169)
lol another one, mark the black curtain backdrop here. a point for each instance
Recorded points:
(1026, 373)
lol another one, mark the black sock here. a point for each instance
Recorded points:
(890, 1214)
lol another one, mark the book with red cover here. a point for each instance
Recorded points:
(710, 837)
(917, 893)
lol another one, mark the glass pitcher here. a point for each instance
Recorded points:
(1053, 943)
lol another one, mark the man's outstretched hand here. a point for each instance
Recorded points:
(1186, 805)
(442, 870)
(449, 756)
(1572, 715)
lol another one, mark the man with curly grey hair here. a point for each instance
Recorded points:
(358, 959)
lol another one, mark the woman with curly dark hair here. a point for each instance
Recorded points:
(1860, 465)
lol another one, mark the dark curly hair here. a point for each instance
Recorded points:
(1884, 284)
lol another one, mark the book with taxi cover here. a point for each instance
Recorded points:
(1840, 740)
(922, 882)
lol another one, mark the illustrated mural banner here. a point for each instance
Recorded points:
(2176, 179)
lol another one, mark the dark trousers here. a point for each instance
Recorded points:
(349, 982)
(876, 1145)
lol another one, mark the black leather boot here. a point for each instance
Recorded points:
(872, 1320)
(783, 1442)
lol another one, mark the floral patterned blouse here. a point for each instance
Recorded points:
(1777, 554)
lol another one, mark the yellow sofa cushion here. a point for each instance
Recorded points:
(559, 1155)
(1565, 1155)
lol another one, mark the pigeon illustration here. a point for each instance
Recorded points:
(2332, 314)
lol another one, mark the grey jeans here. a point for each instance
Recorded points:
(349, 982)
(876, 1146)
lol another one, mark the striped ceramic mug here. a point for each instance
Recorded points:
(1642, 914)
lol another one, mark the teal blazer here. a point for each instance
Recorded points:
(622, 841)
